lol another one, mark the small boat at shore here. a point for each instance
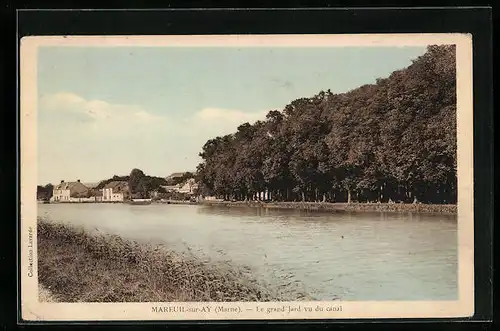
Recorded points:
(139, 202)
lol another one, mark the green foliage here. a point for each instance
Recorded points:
(394, 140)
(136, 182)
(44, 192)
(114, 178)
(140, 184)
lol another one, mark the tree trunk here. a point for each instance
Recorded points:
(324, 197)
(303, 196)
(348, 196)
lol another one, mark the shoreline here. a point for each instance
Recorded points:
(340, 207)
(79, 266)
(315, 206)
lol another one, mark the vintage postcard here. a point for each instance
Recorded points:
(224, 177)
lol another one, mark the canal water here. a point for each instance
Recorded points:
(347, 256)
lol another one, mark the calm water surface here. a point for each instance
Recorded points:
(351, 256)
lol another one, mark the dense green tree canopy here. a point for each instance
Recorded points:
(44, 192)
(394, 140)
(139, 183)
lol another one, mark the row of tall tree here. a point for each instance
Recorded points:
(394, 140)
(140, 184)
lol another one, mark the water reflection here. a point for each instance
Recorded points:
(274, 212)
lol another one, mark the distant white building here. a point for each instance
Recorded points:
(265, 195)
(189, 186)
(171, 188)
(69, 192)
(115, 191)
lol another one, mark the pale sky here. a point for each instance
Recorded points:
(106, 110)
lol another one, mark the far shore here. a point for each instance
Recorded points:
(339, 207)
(333, 207)
(321, 206)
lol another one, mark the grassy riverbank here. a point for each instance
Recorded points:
(336, 207)
(78, 266)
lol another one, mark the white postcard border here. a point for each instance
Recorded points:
(33, 310)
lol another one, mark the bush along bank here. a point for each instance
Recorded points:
(79, 266)
(341, 207)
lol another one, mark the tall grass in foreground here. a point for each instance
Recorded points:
(78, 266)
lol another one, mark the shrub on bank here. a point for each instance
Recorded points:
(78, 266)
(336, 207)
